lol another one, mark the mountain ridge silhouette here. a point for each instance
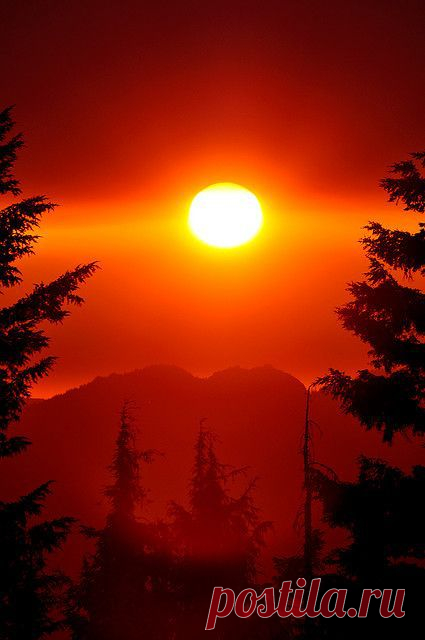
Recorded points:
(258, 415)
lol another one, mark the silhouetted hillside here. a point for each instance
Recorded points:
(257, 413)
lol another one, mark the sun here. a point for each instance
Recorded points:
(225, 215)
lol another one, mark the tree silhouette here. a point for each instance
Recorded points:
(390, 317)
(380, 512)
(307, 562)
(30, 595)
(125, 585)
(218, 540)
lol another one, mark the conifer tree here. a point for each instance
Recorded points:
(30, 595)
(385, 549)
(390, 316)
(380, 510)
(126, 583)
(219, 539)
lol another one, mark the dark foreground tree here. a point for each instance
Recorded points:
(30, 595)
(381, 510)
(390, 316)
(125, 586)
(218, 541)
(386, 548)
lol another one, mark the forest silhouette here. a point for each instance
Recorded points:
(152, 576)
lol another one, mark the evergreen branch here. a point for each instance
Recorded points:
(8, 154)
(6, 122)
(12, 446)
(30, 504)
(389, 403)
(46, 301)
(50, 535)
(408, 187)
(15, 389)
(399, 249)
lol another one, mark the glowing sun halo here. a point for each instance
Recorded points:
(225, 215)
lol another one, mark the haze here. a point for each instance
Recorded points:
(124, 128)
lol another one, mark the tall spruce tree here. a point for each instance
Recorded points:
(125, 585)
(30, 595)
(218, 540)
(380, 510)
(389, 316)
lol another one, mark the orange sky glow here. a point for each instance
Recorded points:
(124, 129)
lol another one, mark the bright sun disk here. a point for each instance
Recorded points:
(225, 215)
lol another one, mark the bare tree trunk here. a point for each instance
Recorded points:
(308, 532)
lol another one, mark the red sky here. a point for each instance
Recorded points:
(130, 108)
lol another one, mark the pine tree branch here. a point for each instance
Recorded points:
(46, 301)
(51, 534)
(399, 249)
(16, 238)
(12, 446)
